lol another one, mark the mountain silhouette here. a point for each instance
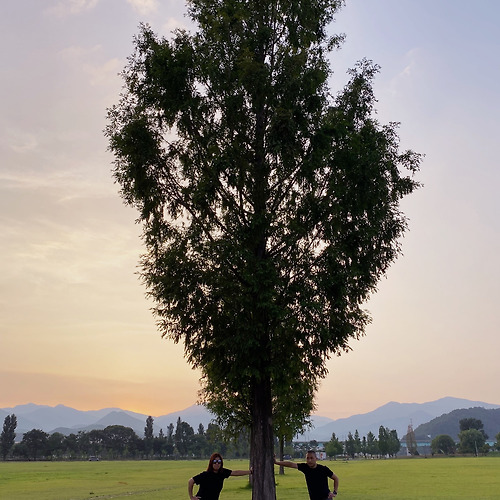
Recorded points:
(393, 415)
(449, 423)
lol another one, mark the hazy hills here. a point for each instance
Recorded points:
(450, 423)
(393, 415)
(68, 420)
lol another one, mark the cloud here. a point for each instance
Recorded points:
(20, 141)
(409, 71)
(173, 24)
(82, 59)
(67, 8)
(78, 182)
(144, 7)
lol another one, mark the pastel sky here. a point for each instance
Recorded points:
(75, 326)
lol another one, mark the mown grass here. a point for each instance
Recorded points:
(399, 479)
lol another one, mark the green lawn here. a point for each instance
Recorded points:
(399, 479)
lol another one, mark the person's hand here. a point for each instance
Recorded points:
(195, 498)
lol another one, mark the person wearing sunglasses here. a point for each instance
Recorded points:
(211, 480)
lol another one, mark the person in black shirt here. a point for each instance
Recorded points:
(211, 480)
(316, 477)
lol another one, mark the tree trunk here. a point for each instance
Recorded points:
(282, 448)
(261, 443)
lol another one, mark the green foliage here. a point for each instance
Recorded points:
(270, 211)
(471, 441)
(182, 437)
(357, 442)
(55, 445)
(395, 443)
(271, 215)
(148, 436)
(148, 430)
(443, 444)
(120, 441)
(352, 444)
(470, 423)
(112, 442)
(371, 444)
(334, 447)
(388, 441)
(35, 442)
(8, 436)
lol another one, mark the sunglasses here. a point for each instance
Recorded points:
(217, 461)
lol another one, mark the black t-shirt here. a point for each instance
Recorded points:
(316, 480)
(211, 483)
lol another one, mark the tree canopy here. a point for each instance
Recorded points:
(8, 435)
(334, 447)
(471, 441)
(388, 441)
(469, 423)
(443, 444)
(270, 209)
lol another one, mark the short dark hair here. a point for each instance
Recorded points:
(311, 451)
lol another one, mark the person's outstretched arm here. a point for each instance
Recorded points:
(285, 463)
(241, 472)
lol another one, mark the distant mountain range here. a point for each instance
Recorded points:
(67, 420)
(393, 415)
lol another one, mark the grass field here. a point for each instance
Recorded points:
(399, 479)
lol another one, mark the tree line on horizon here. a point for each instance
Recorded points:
(117, 442)
(120, 442)
(471, 439)
(179, 441)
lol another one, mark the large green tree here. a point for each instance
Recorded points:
(467, 424)
(471, 441)
(35, 442)
(148, 435)
(443, 444)
(350, 445)
(55, 444)
(8, 435)
(388, 441)
(334, 447)
(371, 444)
(183, 434)
(270, 209)
(96, 439)
(119, 441)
